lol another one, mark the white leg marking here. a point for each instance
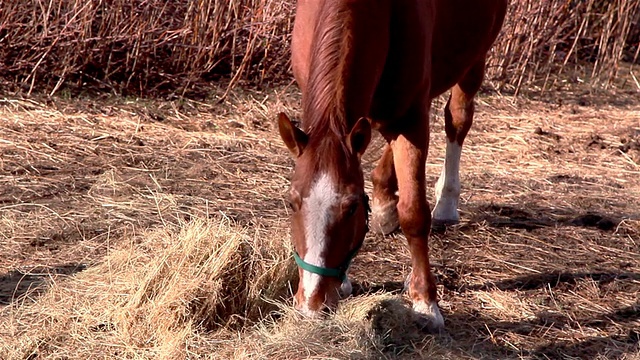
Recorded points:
(317, 215)
(448, 186)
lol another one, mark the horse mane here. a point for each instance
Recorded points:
(324, 104)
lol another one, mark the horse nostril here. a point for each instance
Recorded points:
(327, 310)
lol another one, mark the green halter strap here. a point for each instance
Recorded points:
(339, 272)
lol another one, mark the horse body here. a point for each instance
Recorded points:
(363, 64)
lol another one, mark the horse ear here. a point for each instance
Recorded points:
(359, 137)
(294, 138)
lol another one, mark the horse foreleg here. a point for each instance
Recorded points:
(409, 156)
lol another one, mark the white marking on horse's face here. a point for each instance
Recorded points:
(317, 214)
(448, 185)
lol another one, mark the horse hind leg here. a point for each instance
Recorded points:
(384, 215)
(458, 115)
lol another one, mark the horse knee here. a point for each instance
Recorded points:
(414, 218)
(458, 115)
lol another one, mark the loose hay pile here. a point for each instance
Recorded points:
(154, 295)
(368, 327)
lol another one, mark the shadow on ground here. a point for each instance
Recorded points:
(532, 217)
(551, 280)
(15, 284)
(491, 335)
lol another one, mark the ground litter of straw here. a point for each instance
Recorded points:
(157, 229)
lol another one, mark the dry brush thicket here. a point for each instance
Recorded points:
(141, 46)
(151, 47)
(544, 42)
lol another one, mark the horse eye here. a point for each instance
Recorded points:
(352, 209)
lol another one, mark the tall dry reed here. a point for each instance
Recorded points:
(141, 46)
(159, 47)
(543, 41)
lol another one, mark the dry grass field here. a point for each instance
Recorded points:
(148, 229)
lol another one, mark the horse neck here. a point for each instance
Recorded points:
(347, 58)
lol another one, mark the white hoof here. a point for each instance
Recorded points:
(431, 313)
(445, 214)
(384, 217)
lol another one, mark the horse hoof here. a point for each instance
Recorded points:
(445, 212)
(384, 217)
(429, 316)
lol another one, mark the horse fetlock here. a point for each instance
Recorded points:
(447, 186)
(384, 216)
(427, 311)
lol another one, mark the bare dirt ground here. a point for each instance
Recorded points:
(544, 264)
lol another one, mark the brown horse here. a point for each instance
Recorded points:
(364, 64)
